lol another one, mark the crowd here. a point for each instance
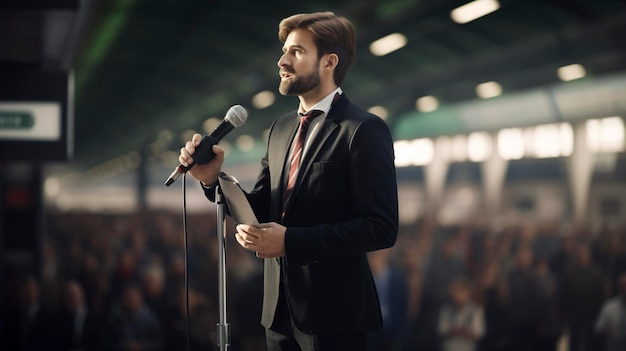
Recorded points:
(117, 282)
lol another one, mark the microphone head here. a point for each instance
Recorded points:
(236, 116)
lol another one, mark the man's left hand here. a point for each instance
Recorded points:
(266, 239)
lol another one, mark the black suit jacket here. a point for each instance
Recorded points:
(344, 204)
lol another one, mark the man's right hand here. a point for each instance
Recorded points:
(206, 173)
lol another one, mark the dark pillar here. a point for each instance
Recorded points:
(21, 222)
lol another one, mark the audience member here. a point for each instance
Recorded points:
(492, 294)
(392, 291)
(444, 265)
(76, 327)
(132, 326)
(523, 301)
(126, 271)
(153, 287)
(461, 322)
(611, 257)
(582, 296)
(548, 324)
(27, 325)
(611, 323)
(202, 332)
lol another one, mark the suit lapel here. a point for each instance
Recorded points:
(280, 148)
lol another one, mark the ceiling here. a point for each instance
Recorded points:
(147, 70)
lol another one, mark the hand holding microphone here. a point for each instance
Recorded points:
(200, 151)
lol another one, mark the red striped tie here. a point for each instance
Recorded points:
(305, 121)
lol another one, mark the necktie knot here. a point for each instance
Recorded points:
(311, 114)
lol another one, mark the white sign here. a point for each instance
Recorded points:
(39, 121)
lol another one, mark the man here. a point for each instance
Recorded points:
(320, 220)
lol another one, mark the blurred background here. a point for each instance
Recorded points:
(508, 122)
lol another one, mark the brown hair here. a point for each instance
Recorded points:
(333, 34)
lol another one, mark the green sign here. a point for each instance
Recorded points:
(16, 120)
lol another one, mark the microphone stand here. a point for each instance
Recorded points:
(223, 328)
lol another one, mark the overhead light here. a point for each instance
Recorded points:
(52, 187)
(488, 90)
(511, 143)
(165, 136)
(478, 146)
(388, 44)
(427, 104)
(263, 99)
(571, 72)
(566, 139)
(459, 148)
(473, 10)
(227, 146)
(417, 152)
(547, 141)
(606, 134)
(245, 143)
(379, 111)
(210, 124)
(186, 135)
(443, 145)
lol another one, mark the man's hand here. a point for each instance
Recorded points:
(267, 239)
(206, 173)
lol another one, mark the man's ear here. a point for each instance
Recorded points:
(331, 61)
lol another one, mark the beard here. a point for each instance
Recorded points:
(299, 85)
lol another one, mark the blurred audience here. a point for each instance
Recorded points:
(120, 277)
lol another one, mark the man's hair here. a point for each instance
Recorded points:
(333, 34)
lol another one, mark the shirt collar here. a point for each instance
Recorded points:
(325, 103)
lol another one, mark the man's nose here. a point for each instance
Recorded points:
(282, 61)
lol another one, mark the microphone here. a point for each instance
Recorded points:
(235, 117)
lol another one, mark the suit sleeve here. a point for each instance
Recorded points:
(371, 189)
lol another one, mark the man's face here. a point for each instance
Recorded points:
(299, 64)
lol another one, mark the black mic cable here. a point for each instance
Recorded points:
(186, 236)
